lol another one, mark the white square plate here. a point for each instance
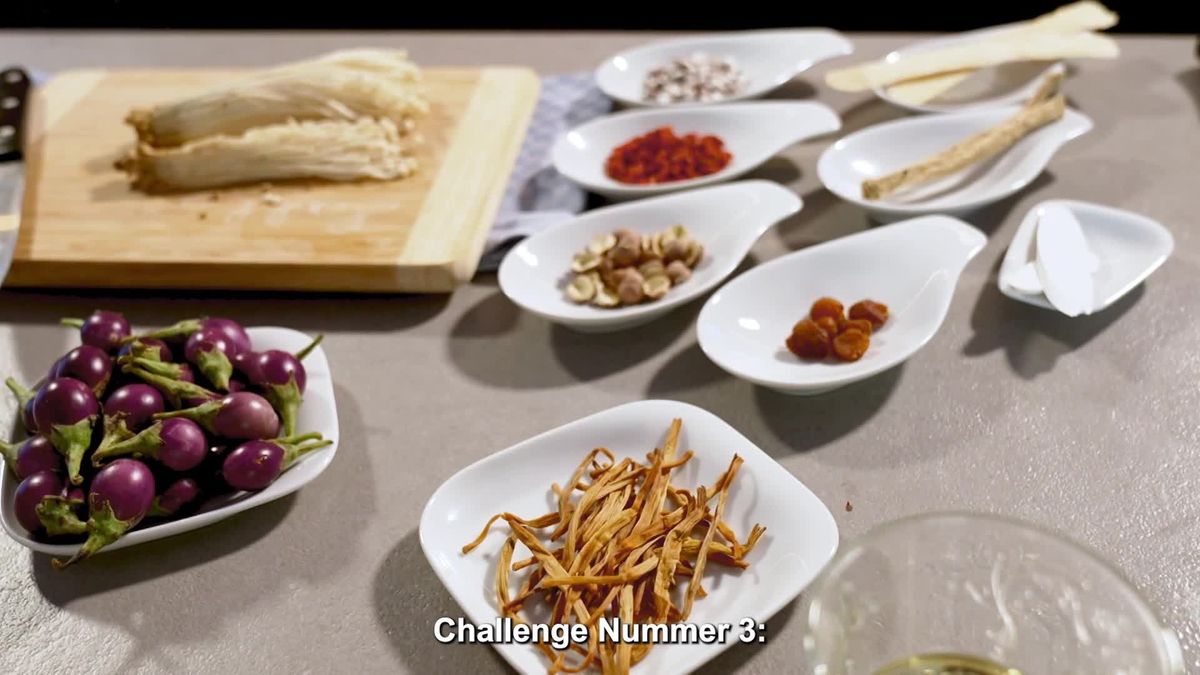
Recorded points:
(800, 539)
(318, 412)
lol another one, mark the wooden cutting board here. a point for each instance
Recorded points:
(82, 226)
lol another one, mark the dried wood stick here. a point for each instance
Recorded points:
(977, 148)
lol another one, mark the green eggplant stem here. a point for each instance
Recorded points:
(72, 322)
(9, 452)
(161, 368)
(58, 516)
(292, 453)
(140, 350)
(202, 414)
(215, 366)
(285, 398)
(175, 330)
(103, 528)
(146, 443)
(311, 346)
(115, 433)
(72, 442)
(174, 390)
(19, 390)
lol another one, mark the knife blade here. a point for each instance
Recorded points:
(14, 92)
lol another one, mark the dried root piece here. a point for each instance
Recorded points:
(977, 148)
(345, 86)
(337, 151)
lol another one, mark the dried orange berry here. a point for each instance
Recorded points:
(851, 344)
(875, 312)
(829, 325)
(827, 307)
(857, 324)
(808, 340)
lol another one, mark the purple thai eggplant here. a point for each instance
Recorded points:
(178, 496)
(256, 464)
(102, 329)
(25, 397)
(210, 350)
(138, 402)
(282, 377)
(119, 497)
(66, 410)
(30, 493)
(237, 416)
(178, 443)
(30, 456)
(90, 365)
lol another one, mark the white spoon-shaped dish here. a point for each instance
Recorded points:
(1128, 248)
(912, 267)
(1002, 85)
(726, 219)
(752, 132)
(767, 58)
(318, 412)
(884, 148)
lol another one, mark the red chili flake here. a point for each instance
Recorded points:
(660, 156)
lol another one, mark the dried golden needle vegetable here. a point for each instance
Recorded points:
(619, 550)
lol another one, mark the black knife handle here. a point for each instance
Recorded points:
(14, 90)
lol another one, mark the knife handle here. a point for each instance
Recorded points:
(14, 90)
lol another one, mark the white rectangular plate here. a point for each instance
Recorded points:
(318, 412)
(800, 539)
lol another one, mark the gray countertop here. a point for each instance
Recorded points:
(1088, 426)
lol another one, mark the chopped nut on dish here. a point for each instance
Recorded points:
(624, 267)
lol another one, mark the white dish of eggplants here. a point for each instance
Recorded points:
(136, 436)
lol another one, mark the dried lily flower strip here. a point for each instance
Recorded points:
(621, 545)
(661, 156)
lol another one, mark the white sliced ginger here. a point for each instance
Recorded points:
(330, 150)
(1078, 16)
(345, 85)
(1063, 261)
(1035, 46)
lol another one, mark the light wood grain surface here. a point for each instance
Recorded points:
(83, 226)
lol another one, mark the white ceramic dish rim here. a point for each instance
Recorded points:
(319, 379)
(844, 48)
(608, 186)
(1013, 258)
(832, 381)
(686, 293)
(747, 447)
(917, 209)
(955, 38)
